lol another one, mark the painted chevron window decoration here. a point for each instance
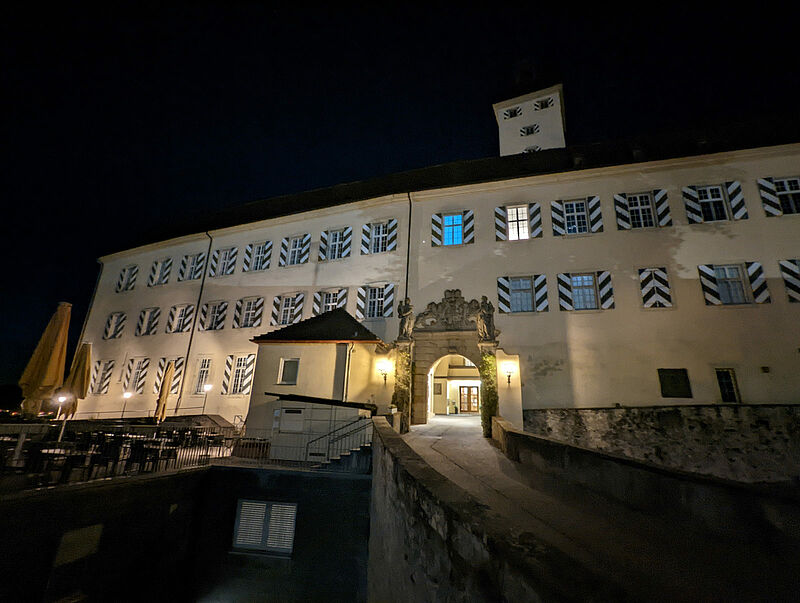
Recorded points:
(101, 376)
(790, 271)
(148, 321)
(180, 318)
(642, 210)
(192, 266)
(159, 272)
(248, 312)
(136, 375)
(522, 294)
(732, 284)
(212, 315)
(127, 278)
(654, 286)
(714, 203)
(257, 256)
(177, 376)
(585, 291)
(787, 191)
(325, 301)
(115, 324)
(238, 376)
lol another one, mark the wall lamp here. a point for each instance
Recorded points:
(384, 367)
(509, 368)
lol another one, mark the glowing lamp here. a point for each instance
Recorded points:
(62, 399)
(207, 387)
(384, 367)
(127, 395)
(509, 368)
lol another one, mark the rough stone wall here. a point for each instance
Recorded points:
(431, 541)
(758, 443)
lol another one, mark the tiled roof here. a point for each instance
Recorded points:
(335, 326)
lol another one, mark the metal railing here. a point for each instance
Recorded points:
(32, 457)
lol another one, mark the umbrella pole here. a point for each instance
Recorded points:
(63, 425)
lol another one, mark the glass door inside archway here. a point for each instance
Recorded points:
(468, 398)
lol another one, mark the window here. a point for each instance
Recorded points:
(674, 383)
(453, 229)
(529, 130)
(195, 266)
(295, 251)
(521, 294)
(265, 527)
(788, 190)
(127, 278)
(468, 362)
(115, 323)
(375, 302)
(728, 389)
(240, 383)
(261, 255)
(532, 149)
(287, 374)
(203, 375)
(330, 300)
(148, 321)
(249, 313)
(216, 316)
(335, 244)
(287, 310)
(640, 206)
(575, 217)
(180, 319)
(102, 376)
(159, 272)
(730, 284)
(138, 376)
(379, 237)
(512, 112)
(517, 223)
(712, 203)
(226, 263)
(584, 292)
(543, 103)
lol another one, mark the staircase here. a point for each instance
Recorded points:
(347, 448)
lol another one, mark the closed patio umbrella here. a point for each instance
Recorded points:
(163, 392)
(44, 373)
(76, 385)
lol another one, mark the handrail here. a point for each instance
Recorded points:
(362, 420)
(325, 435)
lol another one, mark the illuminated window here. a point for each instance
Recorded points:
(295, 251)
(453, 229)
(335, 244)
(517, 223)
(584, 291)
(575, 217)
(330, 300)
(203, 375)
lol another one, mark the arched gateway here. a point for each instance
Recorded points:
(451, 326)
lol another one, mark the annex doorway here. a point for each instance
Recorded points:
(454, 386)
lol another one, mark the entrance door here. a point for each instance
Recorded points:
(468, 398)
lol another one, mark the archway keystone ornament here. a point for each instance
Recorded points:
(450, 326)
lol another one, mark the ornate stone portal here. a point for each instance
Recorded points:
(450, 326)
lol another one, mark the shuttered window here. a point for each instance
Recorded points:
(266, 527)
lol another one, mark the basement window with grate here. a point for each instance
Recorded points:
(264, 527)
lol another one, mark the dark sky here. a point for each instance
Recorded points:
(115, 118)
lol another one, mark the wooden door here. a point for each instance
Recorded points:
(468, 398)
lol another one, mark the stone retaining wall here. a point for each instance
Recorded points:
(756, 443)
(431, 541)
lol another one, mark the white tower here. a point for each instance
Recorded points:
(531, 122)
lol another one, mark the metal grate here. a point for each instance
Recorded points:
(280, 537)
(250, 525)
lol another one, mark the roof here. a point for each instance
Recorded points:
(764, 132)
(336, 326)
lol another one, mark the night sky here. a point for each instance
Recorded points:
(115, 118)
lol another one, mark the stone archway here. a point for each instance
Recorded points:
(451, 326)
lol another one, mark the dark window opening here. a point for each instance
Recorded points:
(674, 383)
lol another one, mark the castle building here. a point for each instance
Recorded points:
(661, 272)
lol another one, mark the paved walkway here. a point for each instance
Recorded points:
(651, 559)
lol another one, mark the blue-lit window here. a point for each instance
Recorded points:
(454, 229)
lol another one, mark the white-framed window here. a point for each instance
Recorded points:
(295, 251)
(160, 272)
(529, 130)
(127, 278)
(788, 190)
(576, 217)
(249, 312)
(239, 383)
(260, 256)
(375, 302)
(194, 268)
(181, 319)
(138, 376)
(115, 323)
(379, 237)
(287, 310)
(203, 375)
(335, 244)
(149, 321)
(453, 229)
(712, 203)
(287, 372)
(265, 527)
(517, 222)
(215, 320)
(102, 377)
(521, 289)
(330, 300)
(227, 261)
(512, 112)
(640, 207)
(584, 291)
(731, 284)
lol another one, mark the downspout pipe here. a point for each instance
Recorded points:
(194, 322)
(408, 243)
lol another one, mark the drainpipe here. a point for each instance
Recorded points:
(194, 324)
(350, 347)
(408, 242)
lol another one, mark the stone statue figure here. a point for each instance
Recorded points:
(485, 320)
(406, 313)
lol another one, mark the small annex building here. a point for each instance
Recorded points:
(332, 358)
